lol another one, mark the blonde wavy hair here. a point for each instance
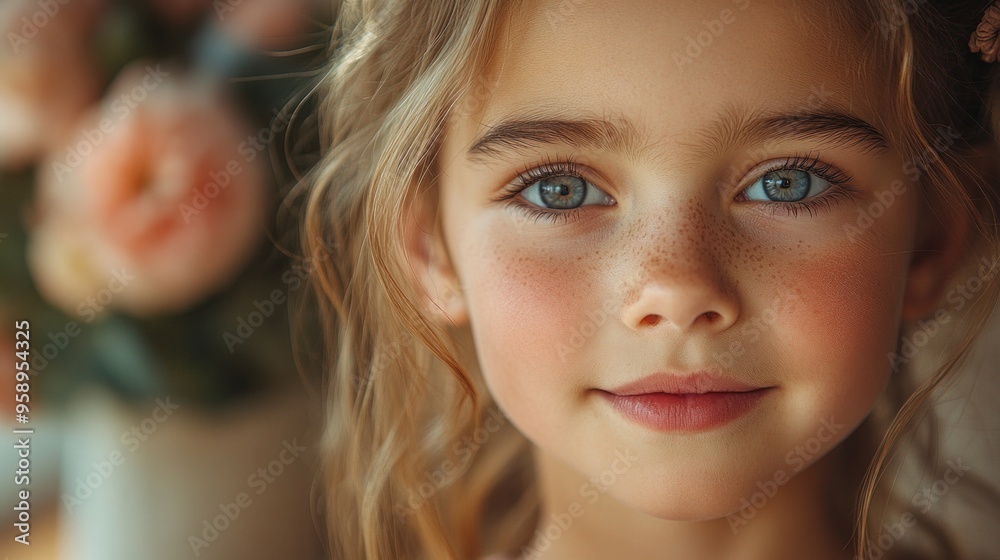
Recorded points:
(401, 396)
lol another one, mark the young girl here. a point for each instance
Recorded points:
(649, 279)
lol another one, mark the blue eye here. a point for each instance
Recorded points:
(563, 192)
(554, 192)
(557, 191)
(786, 185)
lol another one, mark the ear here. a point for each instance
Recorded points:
(430, 263)
(943, 241)
(936, 257)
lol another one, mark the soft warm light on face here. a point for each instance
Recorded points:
(704, 228)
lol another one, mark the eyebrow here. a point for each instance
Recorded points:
(738, 127)
(522, 133)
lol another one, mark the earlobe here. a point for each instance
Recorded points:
(446, 298)
(450, 302)
(440, 290)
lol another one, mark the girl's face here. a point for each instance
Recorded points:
(729, 209)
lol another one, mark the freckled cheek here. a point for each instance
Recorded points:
(523, 309)
(841, 326)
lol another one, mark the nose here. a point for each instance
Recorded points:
(681, 292)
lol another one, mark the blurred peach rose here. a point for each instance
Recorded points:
(157, 203)
(47, 76)
(264, 24)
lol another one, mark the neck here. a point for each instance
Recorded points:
(793, 523)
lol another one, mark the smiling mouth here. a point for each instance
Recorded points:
(685, 403)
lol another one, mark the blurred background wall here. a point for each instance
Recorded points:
(144, 149)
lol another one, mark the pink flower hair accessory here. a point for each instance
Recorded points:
(986, 38)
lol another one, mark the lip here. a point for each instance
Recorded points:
(690, 403)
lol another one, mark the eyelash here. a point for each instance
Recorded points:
(840, 188)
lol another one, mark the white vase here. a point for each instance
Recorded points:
(166, 481)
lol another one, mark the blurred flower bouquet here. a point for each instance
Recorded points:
(138, 193)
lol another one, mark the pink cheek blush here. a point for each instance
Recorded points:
(843, 319)
(525, 306)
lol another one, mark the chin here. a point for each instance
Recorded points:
(688, 500)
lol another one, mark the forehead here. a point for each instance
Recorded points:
(676, 67)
